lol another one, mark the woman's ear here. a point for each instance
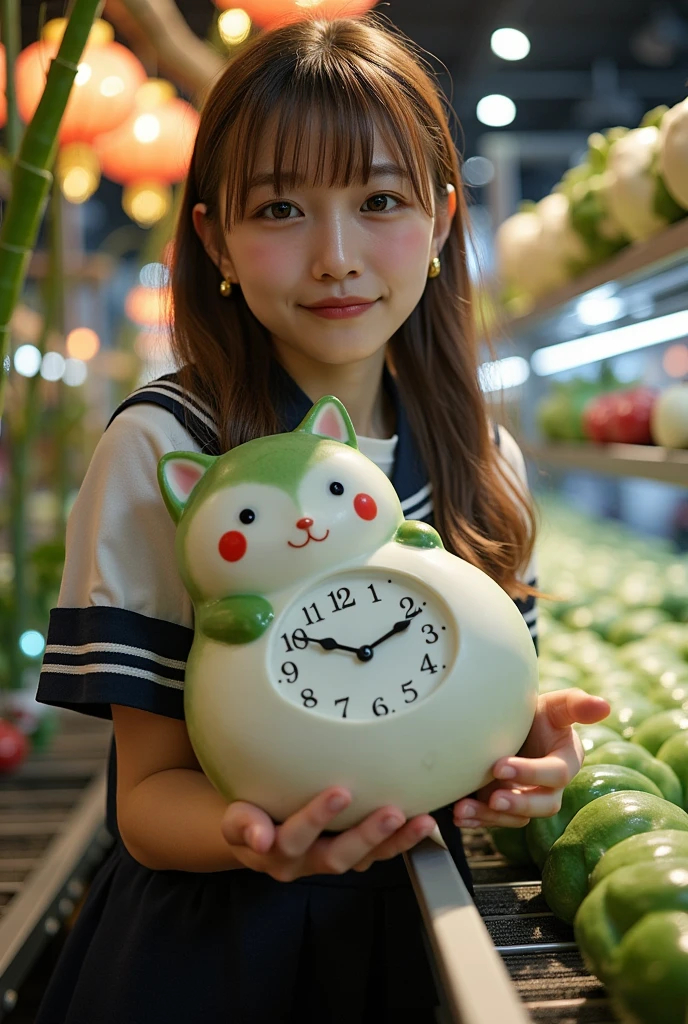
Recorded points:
(206, 232)
(444, 217)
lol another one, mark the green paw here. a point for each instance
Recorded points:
(235, 620)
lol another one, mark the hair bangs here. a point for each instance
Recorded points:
(324, 123)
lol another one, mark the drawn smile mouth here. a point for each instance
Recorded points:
(309, 538)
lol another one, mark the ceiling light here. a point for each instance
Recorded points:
(504, 373)
(52, 366)
(510, 44)
(27, 360)
(570, 354)
(496, 110)
(478, 170)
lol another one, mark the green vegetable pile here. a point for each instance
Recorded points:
(614, 859)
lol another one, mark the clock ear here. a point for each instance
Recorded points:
(329, 418)
(178, 474)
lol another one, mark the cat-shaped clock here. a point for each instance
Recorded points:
(336, 643)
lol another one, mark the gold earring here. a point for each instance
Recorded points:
(435, 267)
(225, 287)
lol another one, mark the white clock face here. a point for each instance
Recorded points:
(362, 645)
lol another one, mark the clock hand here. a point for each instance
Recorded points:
(398, 627)
(331, 645)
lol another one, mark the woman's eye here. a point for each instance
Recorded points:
(247, 515)
(336, 488)
(280, 209)
(381, 202)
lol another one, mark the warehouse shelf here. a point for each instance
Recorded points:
(652, 463)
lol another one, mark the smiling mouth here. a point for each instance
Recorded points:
(309, 538)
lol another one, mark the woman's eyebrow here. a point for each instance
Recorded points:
(293, 180)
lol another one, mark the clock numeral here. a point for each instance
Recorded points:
(371, 588)
(427, 628)
(290, 669)
(309, 700)
(345, 702)
(427, 665)
(299, 640)
(343, 595)
(379, 707)
(407, 604)
(318, 616)
(406, 689)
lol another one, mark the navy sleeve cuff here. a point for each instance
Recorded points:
(99, 656)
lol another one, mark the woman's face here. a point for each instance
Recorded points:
(371, 242)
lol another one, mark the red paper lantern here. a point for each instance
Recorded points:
(104, 88)
(270, 13)
(151, 145)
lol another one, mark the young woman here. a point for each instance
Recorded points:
(320, 250)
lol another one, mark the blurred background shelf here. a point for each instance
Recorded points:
(667, 465)
(659, 266)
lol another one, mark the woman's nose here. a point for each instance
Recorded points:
(338, 251)
(304, 524)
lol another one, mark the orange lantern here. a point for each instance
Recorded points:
(147, 307)
(152, 145)
(269, 13)
(104, 88)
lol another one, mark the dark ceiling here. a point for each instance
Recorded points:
(593, 63)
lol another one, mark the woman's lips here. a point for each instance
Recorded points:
(340, 312)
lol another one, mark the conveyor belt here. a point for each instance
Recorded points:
(52, 838)
(539, 950)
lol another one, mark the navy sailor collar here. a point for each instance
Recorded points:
(409, 476)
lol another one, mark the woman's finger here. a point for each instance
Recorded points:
(298, 833)
(531, 804)
(402, 840)
(352, 846)
(554, 771)
(564, 707)
(245, 824)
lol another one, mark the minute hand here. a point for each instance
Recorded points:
(398, 627)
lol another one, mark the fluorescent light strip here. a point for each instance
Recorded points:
(509, 372)
(570, 354)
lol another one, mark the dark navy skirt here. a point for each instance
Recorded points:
(237, 947)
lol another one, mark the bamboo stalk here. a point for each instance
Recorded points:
(11, 37)
(32, 175)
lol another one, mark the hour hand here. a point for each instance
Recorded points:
(331, 645)
(398, 627)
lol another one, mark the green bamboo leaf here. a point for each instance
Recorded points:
(32, 175)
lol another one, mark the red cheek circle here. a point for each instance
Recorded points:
(232, 546)
(365, 506)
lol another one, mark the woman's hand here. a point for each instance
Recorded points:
(296, 848)
(550, 757)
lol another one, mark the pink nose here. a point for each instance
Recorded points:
(304, 524)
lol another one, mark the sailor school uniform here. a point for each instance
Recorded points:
(228, 947)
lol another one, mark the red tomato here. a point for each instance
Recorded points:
(630, 421)
(14, 746)
(596, 417)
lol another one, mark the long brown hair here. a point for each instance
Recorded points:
(349, 78)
